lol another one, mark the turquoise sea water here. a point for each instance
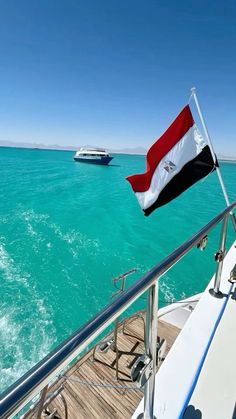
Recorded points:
(66, 229)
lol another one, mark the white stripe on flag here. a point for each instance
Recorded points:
(190, 145)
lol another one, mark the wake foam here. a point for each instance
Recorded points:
(166, 290)
(26, 331)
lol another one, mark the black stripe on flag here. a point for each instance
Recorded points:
(191, 173)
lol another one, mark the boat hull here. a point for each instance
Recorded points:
(102, 160)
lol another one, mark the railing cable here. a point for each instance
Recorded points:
(107, 385)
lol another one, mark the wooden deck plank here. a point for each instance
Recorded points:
(98, 401)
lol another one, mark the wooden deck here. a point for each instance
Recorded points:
(91, 389)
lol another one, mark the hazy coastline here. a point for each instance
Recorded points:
(55, 147)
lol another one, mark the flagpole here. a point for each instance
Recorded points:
(194, 95)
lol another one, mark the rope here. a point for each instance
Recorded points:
(107, 385)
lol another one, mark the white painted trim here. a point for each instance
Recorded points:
(217, 377)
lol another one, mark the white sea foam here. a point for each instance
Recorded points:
(26, 330)
(75, 240)
(8, 268)
(30, 215)
(14, 360)
(166, 290)
(31, 230)
(32, 222)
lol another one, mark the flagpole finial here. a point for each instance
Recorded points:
(193, 90)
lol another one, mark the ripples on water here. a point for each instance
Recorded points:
(66, 229)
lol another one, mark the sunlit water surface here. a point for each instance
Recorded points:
(66, 229)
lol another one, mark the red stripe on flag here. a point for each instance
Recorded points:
(176, 131)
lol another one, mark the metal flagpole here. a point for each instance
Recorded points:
(194, 95)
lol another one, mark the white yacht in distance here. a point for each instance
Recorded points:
(93, 155)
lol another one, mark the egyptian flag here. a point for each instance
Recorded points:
(177, 160)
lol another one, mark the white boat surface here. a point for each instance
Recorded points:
(197, 379)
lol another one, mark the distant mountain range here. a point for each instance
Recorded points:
(134, 150)
(35, 145)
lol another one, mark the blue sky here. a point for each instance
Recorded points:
(115, 73)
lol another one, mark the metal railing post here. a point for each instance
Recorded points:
(62, 398)
(151, 348)
(41, 402)
(219, 257)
